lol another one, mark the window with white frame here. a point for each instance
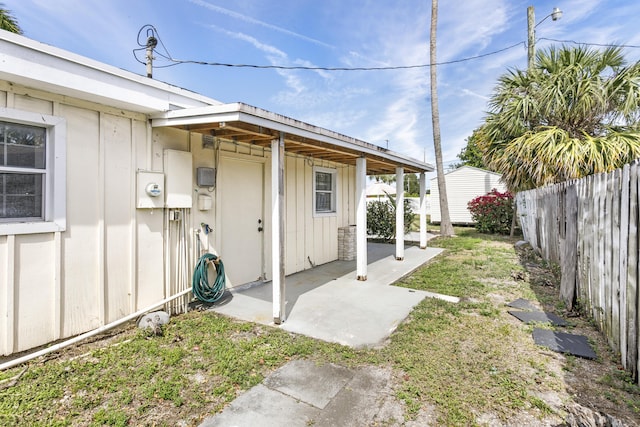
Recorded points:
(324, 191)
(32, 171)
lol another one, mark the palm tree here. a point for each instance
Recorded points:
(446, 228)
(8, 22)
(575, 113)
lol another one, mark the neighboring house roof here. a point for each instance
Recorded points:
(51, 69)
(380, 189)
(465, 167)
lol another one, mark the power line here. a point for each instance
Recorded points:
(300, 67)
(632, 46)
(153, 32)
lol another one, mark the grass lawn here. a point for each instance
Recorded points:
(468, 364)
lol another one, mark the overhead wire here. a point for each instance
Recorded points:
(152, 31)
(631, 46)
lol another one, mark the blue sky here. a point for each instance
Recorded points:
(388, 108)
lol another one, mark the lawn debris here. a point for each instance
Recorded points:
(523, 304)
(576, 345)
(10, 382)
(538, 317)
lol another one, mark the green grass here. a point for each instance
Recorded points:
(460, 359)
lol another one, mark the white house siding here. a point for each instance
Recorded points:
(463, 185)
(310, 239)
(307, 238)
(108, 262)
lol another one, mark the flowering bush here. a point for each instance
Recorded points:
(492, 212)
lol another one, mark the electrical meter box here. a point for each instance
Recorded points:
(206, 177)
(150, 190)
(178, 171)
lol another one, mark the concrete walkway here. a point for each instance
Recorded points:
(327, 302)
(301, 394)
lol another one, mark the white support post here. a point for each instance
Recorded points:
(423, 210)
(361, 218)
(399, 213)
(277, 229)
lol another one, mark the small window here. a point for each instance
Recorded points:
(22, 171)
(32, 170)
(324, 191)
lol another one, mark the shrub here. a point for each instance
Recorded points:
(381, 218)
(492, 212)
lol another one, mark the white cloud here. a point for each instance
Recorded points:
(254, 21)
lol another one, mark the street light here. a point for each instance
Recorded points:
(531, 27)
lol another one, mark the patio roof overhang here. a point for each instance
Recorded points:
(251, 125)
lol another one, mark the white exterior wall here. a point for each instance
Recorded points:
(60, 284)
(309, 238)
(463, 185)
(110, 260)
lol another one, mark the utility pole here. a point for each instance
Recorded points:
(531, 36)
(152, 42)
(531, 31)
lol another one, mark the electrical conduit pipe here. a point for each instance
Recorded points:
(59, 346)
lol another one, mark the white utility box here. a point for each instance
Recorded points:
(178, 171)
(205, 202)
(150, 190)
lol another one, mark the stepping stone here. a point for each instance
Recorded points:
(523, 304)
(538, 316)
(561, 342)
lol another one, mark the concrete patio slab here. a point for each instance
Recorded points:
(328, 303)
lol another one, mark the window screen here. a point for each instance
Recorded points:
(23, 168)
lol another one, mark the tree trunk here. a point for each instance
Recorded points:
(446, 229)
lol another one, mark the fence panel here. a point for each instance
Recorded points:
(624, 262)
(590, 227)
(569, 248)
(632, 276)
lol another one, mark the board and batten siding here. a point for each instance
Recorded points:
(463, 185)
(108, 261)
(310, 239)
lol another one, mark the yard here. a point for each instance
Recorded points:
(461, 364)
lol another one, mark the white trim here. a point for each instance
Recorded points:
(334, 187)
(55, 196)
(239, 112)
(50, 69)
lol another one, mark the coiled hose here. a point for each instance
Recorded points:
(200, 286)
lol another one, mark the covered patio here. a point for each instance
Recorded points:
(280, 136)
(329, 303)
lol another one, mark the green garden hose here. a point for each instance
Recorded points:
(200, 285)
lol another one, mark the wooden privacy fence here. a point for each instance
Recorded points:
(590, 228)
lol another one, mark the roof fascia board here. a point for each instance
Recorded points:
(255, 116)
(40, 66)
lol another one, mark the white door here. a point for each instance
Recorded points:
(241, 188)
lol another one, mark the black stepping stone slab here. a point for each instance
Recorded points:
(561, 342)
(538, 316)
(523, 304)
